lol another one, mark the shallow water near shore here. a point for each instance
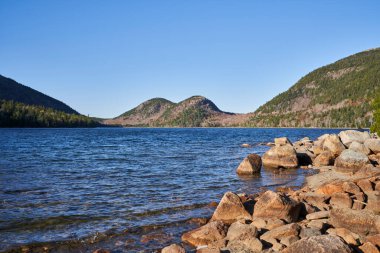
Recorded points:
(124, 189)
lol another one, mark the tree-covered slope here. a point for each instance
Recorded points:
(336, 95)
(12, 90)
(196, 111)
(14, 114)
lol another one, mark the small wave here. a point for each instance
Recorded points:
(50, 222)
(171, 209)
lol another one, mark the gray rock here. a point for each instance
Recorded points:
(239, 230)
(319, 244)
(373, 145)
(308, 232)
(349, 136)
(351, 161)
(359, 147)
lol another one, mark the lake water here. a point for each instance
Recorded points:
(127, 190)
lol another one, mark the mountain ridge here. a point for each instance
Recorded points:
(335, 95)
(17, 92)
(195, 111)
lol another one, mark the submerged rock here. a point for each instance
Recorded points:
(250, 165)
(275, 205)
(230, 209)
(281, 157)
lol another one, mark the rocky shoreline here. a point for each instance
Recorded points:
(337, 209)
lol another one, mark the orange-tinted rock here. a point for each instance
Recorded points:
(351, 187)
(358, 201)
(250, 165)
(275, 205)
(325, 158)
(373, 201)
(329, 189)
(368, 248)
(230, 209)
(361, 222)
(346, 235)
(341, 199)
(374, 239)
(365, 185)
(174, 248)
(208, 234)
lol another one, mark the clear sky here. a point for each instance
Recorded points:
(105, 57)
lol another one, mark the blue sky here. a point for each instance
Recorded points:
(105, 57)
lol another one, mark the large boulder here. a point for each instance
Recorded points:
(319, 244)
(250, 165)
(333, 144)
(359, 147)
(281, 157)
(373, 145)
(325, 158)
(230, 209)
(349, 136)
(358, 221)
(174, 248)
(351, 161)
(277, 205)
(208, 234)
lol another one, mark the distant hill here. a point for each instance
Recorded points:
(21, 106)
(12, 90)
(196, 111)
(336, 95)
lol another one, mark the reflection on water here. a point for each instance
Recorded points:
(125, 189)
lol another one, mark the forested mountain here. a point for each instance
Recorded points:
(21, 106)
(196, 111)
(12, 90)
(14, 114)
(336, 95)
